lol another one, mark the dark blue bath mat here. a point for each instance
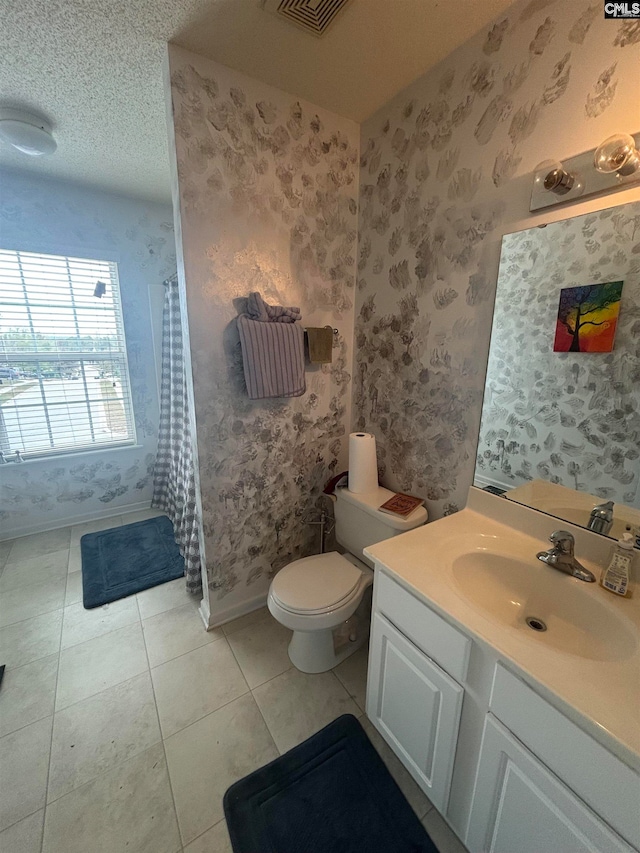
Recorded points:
(330, 794)
(128, 559)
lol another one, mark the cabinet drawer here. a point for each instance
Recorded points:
(606, 784)
(432, 634)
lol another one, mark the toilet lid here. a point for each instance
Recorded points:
(315, 583)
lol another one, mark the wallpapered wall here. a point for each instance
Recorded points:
(267, 190)
(445, 171)
(40, 215)
(572, 419)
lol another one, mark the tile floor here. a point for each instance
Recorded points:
(121, 727)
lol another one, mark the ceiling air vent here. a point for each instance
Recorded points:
(314, 16)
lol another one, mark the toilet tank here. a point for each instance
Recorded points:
(359, 522)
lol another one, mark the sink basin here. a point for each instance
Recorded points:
(512, 591)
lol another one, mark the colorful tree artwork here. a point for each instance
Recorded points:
(587, 317)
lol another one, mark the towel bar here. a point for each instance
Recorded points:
(335, 331)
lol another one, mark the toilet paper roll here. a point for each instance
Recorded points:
(363, 464)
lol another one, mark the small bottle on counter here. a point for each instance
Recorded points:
(635, 533)
(617, 574)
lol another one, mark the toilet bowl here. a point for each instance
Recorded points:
(326, 599)
(313, 597)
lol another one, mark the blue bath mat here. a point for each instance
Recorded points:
(330, 794)
(128, 559)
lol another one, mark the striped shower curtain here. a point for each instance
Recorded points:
(174, 489)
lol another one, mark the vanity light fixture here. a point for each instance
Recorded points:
(617, 155)
(27, 132)
(612, 166)
(558, 180)
(551, 176)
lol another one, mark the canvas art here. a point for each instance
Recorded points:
(587, 317)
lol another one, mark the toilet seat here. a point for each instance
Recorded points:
(316, 584)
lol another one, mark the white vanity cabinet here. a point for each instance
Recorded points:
(519, 806)
(413, 702)
(416, 706)
(508, 770)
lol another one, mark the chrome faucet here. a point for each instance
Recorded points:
(601, 518)
(561, 557)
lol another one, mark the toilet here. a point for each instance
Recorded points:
(326, 599)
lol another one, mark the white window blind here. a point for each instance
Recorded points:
(63, 358)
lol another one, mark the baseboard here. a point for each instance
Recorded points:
(483, 481)
(43, 526)
(205, 612)
(221, 617)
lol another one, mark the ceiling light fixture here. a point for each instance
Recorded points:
(27, 132)
(617, 154)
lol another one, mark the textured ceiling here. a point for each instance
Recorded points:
(95, 69)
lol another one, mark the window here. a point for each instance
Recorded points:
(64, 381)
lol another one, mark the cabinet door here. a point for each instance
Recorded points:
(519, 806)
(416, 707)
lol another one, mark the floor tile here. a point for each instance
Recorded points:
(25, 602)
(75, 561)
(214, 840)
(295, 705)
(80, 625)
(441, 834)
(24, 761)
(24, 836)
(73, 592)
(418, 801)
(176, 632)
(5, 549)
(101, 731)
(32, 639)
(95, 526)
(248, 619)
(261, 650)
(165, 597)
(352, 673)
(100, 663)
(35, 570)
(127, 808)
(207, 757)
(28, 694)
(38, 544)
(196, 684)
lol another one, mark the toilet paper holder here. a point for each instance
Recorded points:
(326, 523)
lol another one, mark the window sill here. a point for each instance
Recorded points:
(66, 457)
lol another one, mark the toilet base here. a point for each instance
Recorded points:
(320, 651)
(313, 651)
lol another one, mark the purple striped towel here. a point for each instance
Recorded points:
(258, 309)
(273, 358)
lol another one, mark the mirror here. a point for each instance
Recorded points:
(560, 430)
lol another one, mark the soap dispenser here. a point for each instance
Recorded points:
(617, 574)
